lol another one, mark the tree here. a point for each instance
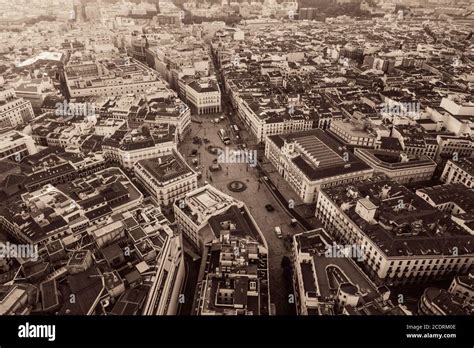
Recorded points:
(285, 262)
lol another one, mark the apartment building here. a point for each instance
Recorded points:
(54, 213)
(235, 279)
(203, 96)
(194, 211)
(108, 126)
(454, 146)
(42, 227)
(196, 208)
(164, 107)
(454, 199)
(167, 178)
(397, 165)
(351, 134)
(435, 301)
(55, 169)
(113, 77)
(151, 234)
(15, 146)
(17, 299)
(14, 110)
(327, 283)
(415, 141)
(128, 146)
(35, 91)
(455, 114)
(157, 106)
(459, 171)
(404, 239)
(181, 57)
(144, 278)
(458, 124)
(463, 288)
(264, 119)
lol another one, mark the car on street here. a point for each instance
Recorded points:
(293, 222)
(215, 167)
(278, 232)
(269, 207)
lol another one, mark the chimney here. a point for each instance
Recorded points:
(385, 191)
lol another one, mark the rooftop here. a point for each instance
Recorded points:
(323, 276)
(129, 139)
(166, 168)
(392, 160)
(205, 202)
(317, 155)
(443, 300)
(235, 276)
(458, 194)
(466, 164)
(404, 224)
(204, 87)
(52, 209)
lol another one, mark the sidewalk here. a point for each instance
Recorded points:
(281, 183)
(305, 210)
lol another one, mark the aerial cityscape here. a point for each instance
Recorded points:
(229, 157)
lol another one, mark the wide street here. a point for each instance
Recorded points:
(256, 196)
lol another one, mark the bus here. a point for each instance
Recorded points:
(224, 137)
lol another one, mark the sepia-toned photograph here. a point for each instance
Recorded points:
(295, 164)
